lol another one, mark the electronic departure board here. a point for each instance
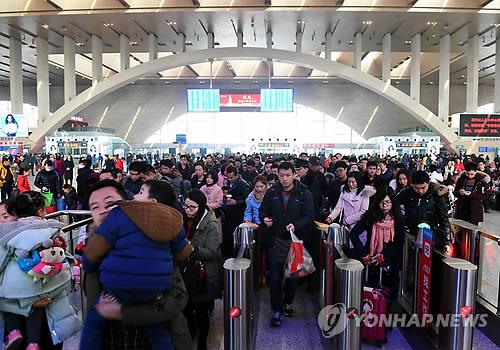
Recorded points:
(276, 100)
(203, 100)
(240, 100)
(480, 125)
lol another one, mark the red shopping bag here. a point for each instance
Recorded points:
(299, 262)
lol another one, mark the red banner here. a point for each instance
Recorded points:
(424, 274)
(240, 100)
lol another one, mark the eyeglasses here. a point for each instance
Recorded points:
(386, 203)
(190, 207)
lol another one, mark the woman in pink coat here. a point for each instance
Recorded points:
(353, 202)
(215, 197)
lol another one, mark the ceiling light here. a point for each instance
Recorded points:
(465, 83)
(463, 76)
(367, 22)
(432, 23)
(167, 82)
(255, 81)
(397, 82)
(290, 82)
(188, 42)
(108, 24)
(433, 35)
(133, 43)
(44, 25)
(325, 81)
(351, 42)
(79, 43)
(495, 24)
(431, 83)
(407, 42)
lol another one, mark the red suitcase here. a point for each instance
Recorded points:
(374, 308)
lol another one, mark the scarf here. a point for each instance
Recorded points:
(382, 232)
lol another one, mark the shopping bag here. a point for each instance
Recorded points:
(61, 204)
(49, 198)
(299, 262)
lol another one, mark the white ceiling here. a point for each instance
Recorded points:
(52, 19)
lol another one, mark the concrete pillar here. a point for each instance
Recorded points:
(210, 40)
(269, 40)
(239, 39)
(69, 69)
(16, 75)
(386, 57)
(472, 74)
(298, 41)
(181, 42)
(444, 78)
(356, 62)
(152, 46)
(96, 59)
(124, 52)
(42, 79)
(415, 67)
(328, 46)
(497, 73)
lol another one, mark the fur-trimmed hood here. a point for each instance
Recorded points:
(480, 176)
(441, 190)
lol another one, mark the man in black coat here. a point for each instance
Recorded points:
(287, 206)
(238, 191)
(48, 180)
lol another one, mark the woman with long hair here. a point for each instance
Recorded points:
(202, 230)
(403, 181)
(353, 201)
(11, 126)
(69, 165)
(384, 225)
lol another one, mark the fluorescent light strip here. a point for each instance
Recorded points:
(133, 121)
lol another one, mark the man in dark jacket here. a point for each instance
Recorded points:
(48, 180)
(82, 180)
(184, 168)
(238, 190)
(333, 192)
(422, 204)
(286, 207)
(316, 184)
(133, 181)
(250, 173)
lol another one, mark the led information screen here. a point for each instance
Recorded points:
(14, 125)
(240, 100)
(203, 100)
(276, 100)
(480, 125)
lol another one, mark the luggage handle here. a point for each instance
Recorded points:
(381, 269)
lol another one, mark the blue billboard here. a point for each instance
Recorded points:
(203, 100)
(276, 100)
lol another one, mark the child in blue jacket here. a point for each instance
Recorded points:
(132, 250)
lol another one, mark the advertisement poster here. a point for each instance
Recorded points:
(424, 274)
(14, 125)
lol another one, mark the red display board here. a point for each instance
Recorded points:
(239, 100)
(480, 125)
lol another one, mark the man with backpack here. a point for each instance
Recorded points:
(287, 206)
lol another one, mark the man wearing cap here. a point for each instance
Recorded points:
(301, 167)
(316, 183)
(6, 178)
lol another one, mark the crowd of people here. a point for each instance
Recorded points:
(163, 227)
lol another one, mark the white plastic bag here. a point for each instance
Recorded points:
(299, 262)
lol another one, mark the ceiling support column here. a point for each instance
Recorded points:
(497, 73)
(180, 43)
(472, 74)
(152, 46)
(444, 78)
(124, 53)
(386, 58)
(356, 61)
(239, 39)
(328, 46)
(298, 41)
(42, 79)
(16, 75)
(96, 59)
(415, 67)
(69, 69)
(210, 40)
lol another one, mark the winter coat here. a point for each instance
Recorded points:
(431, 209)
(352, 208)
(3, 174)
(316, 184)
(68, 168)
(470, 208)
(82, 181)
(205, 241)
(49, 179)
(299, 212)
(239, 192)
(214, 196)
(23, 184)
(252, 209)
(18, 292)
(133, 248)
(59, 167)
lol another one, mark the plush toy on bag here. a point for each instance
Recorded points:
(299, 262)
(47, 261)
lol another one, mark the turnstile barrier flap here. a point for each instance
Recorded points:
(243, 235)
(237, 264)
(459, 264)
(338, 235)
(349, 265)
(463, 224)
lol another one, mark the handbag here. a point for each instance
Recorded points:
(49, 198)
(195, 277)
(61, 204)
(299, 262)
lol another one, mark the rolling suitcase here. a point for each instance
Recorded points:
(374, 306)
